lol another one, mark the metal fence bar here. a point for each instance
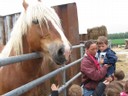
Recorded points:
(78, 46)
(20, 90)
(19, 58)
(68, 82)
(14, 59)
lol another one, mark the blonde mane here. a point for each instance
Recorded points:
(34, 12)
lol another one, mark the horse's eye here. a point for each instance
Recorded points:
(35, 21)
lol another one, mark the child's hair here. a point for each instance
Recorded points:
(102, 40)
(75, 90)
(114, 89)
(88, 43)
(119, 74)
(126, 86)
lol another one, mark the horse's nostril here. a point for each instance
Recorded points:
(60, 51)
(59, 58)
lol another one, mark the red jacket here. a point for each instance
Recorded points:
(91, 74)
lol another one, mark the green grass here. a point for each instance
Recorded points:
(118, 41)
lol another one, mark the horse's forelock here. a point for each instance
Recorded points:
(42, 13)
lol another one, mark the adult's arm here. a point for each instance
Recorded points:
(99, 89)
(89, 69)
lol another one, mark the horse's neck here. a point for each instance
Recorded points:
(31, 67)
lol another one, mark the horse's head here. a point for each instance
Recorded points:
(44, 32)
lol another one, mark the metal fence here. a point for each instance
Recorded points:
(24, 88)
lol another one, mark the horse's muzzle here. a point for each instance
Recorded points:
(61, 56)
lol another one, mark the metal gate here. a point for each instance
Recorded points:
(24, 88)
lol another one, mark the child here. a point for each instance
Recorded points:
(105, 55)
(119, 75)
(74, 90)
(113, 89)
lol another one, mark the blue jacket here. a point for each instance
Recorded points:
(109, 58)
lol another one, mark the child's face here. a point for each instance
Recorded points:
(102, 47)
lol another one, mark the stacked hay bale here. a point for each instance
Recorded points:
(126, 43)
(95, 32)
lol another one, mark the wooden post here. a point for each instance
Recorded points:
(69, 18)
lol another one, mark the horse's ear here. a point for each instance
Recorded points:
(25, 5)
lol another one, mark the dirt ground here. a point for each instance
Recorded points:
(122, 62)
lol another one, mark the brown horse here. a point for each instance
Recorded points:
(37, 29)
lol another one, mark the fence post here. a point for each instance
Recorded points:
(64, 80)
(81, 50)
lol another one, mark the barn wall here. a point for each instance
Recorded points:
(6, 24)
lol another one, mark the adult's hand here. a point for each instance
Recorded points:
(107, 65)
(106, 82)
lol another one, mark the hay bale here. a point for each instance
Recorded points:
(95, 32)
(126, 43)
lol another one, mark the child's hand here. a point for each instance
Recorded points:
(54, 87)
(101, 61)
(109, 79)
